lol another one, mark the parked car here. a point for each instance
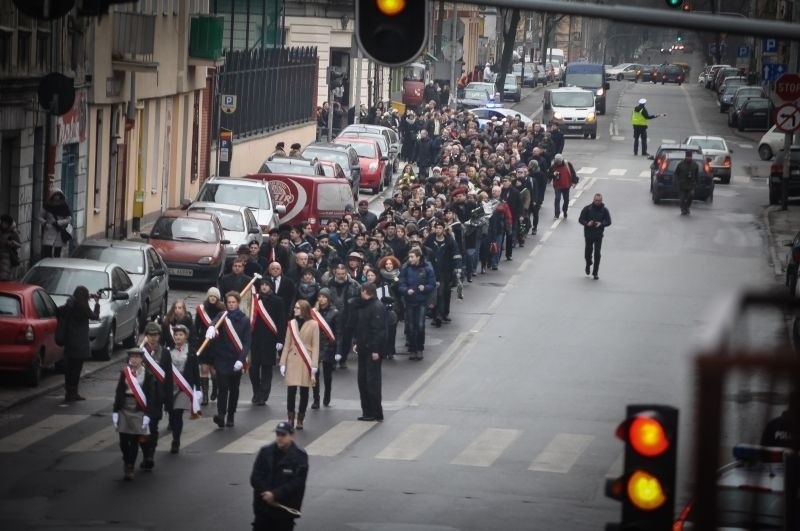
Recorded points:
(391, 136)
(485, 115)
(666, 187)
(726, 97)
(731, 81)
(192, 245)
(27, 331)
(755, 113)
(701, 78)
(624, 71)
(670, 74)
(776, 175)
(742, 94)
(530, 74)
(712, 73)
(720, 76)
(512, 88)
(482, 85)
(239, 225)
(717, 154)
(376, 172)
(340, 152)
(386, 148)
(144, 266)
(772, 142)
(252, 194)
(291, 165)
(473, 98)
(119, 297)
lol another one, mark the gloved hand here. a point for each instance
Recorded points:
(337, 357)
(238, 366)
(279, 346)
(198, 394)
(313, 371)
(257, 276)
(283, 370)
(211, 332)
(115, 419)
(145, 422)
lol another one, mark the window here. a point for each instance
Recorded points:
(23, 50)
(58, 281)
(9, 305)
(42, 51)
(154, 259)
(5, 50)
(50, 306)
(43, 310)
(120, 280)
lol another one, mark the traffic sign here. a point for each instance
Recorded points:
(787, 118)
(769, 47)
(449, 49)
(772, 71)
(712, 47)
(743, 51)
(787, 87)
(228, 103)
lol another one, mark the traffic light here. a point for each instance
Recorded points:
(647, 485)
(392, 32)
(687, 7)
(679, 37)
(674, 3)
(335, 77)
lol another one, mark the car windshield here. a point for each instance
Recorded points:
(327, 154)
(235, 194)
(511, 81)
(588, 79)
(365, 150)
(9, 305)
(375, 136)
(184, 229)
(748, 92)
(572, 99)
(707, 143)
(131, 260)
(274, 166)
(229, 219)
(63, 281)
(476, 94)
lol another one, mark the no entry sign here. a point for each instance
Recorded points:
(787, 87)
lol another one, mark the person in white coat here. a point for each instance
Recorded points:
(56, 221)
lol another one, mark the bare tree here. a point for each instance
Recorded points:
(510, 18)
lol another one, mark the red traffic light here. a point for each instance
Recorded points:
(687, 7)
(646, 434)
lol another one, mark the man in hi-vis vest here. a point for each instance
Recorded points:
(639, 119)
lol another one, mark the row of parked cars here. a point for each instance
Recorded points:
(747, 105)
(663, 73)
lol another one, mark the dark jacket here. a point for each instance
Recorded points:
(150, 392)
(166, 332)
(686, 175)
(284, 474)
(231, 282)
(77, 338)
(370, 326)
(207, 356)
(280, 254)
(445, 254)
(286, 291)
(511, 197)
(262, 348)
(226, 353)
(164, 389)
(328, 349)
(411, 277)
(594, 212)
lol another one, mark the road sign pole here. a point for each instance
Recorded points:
(787, 145)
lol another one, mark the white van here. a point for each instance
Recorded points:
(573, 109)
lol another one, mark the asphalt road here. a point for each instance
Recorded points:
(509, 421)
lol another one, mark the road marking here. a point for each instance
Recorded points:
(413, 442)
(41, 430)
(618, 138)
(335, 440)
(561, 454)
(618, 171)
(644, 173)
(588, 169)
(616, 467)
(250, 442)
(193, 431)
(485, 450)
(96, 442)
(746, 146)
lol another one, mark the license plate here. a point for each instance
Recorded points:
(181, 272)
(574, 127)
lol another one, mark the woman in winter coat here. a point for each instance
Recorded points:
(300, 359)
(205, 315)
(77, 314)
(184, 359)
(328, 346)
(178, 314)
(54, 219)
(9, 247)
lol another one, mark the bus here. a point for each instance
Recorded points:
(590, 76)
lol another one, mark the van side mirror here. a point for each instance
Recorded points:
(254, 230)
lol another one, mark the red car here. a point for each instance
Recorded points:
(375, 167)
(27, 330)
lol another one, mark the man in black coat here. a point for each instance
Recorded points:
(427, 153)
(273, 251)
(370, 332)
(268, 332)
(283, 286)
(369, 219)
(511, 196)
(594, 218)
(159, 362)
(278, 477)
(236, 280)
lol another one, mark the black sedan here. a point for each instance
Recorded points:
(666, 187)
(755, 113)
(670, 74)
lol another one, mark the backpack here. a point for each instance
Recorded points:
(61, 326)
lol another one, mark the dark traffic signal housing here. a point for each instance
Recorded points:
(392, 32)
(647, 485)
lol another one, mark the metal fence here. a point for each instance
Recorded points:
(275, 88)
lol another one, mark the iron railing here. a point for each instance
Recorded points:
(274, 87)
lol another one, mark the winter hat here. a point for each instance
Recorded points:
(213, 292)
(325, 292)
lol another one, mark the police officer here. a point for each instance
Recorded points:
(279, 481)
(639, 119)
(686, 176)
(594, 218)
(785, 429)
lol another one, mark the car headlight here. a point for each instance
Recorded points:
(600, 91)
(206, 260)
(591, 117)
(558, 116)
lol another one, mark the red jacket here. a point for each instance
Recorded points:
(562, 178)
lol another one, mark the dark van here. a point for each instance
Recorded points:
(591, 76)
(306, 198)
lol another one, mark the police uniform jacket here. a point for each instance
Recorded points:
(130, 414)
(297, 373)
(185, 360)
(226, 352)
(264, 340)
(284, 474)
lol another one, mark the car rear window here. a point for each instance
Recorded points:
(365, 150)
(184, 229)
(9, 305)
(328, 154)
(707, 143)
(229, 219)
(333, 196)
(271, 166)
(131, 260)
(754, 105)
(235, 194)
(63, 281)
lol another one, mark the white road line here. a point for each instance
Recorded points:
(194, 430)
(41, 430)
(250, 442)
(616, 467)
(485, 450)
(618, 138)
(644, 173)
(96, 442)
(496, 302)
(337, 439)
(587, 170)
(413, 442)
(746, 146)
(618, 171)
(561, 454)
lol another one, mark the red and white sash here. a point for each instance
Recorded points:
(305, 355)
(323, 324)
(136, 389)
(204, 317)
(185, 388)
(262, 313)
(232, 335)
(155, 368)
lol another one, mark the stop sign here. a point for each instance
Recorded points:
(787, 87)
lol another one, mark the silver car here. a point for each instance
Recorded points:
(252, 193)
(142, 263)
(239, 225)
(119, 297)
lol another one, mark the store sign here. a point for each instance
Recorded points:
(72, 125)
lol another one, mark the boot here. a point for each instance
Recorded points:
(219, 420)
(176, 446)
(229, 422)
(300, 417)
(326, 398)
(315, 403)
(213, 388)
(290, 418)
(68, 396)
(204, 387)
(128, 472)
(75, 395)
(148, 463)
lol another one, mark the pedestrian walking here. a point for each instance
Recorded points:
(639, 120)
(204, 317)
(330, 323)
(77, 314)
(269, 329)
(594, 217)
(300, 360)
(9, 247)
(416, 282)
(562, 173)
(186, 379)
(279, 482)
(230, 353)
(686, 176)
(134, 400)
(56, 221)
(370, 343)
(158, 361)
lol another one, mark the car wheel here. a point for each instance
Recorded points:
(585, 135)
(764, 152)
(138, 327)
(108, 350)
(791, 283)
(619, 77)
(774, 195)
(679, 83)
(34, 375)
(593, 136)
(710, 197)
(654, 195)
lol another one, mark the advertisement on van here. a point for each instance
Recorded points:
(312, 199)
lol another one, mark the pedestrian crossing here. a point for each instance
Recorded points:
(635, 175)
(477, 448)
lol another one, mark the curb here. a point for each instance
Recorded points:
(773, 255)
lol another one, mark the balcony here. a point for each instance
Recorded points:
(133, 42)
(205, 40)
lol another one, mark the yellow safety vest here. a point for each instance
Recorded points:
(637, 118)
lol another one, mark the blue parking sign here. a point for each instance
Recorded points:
(769, 47)
(743, 51)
